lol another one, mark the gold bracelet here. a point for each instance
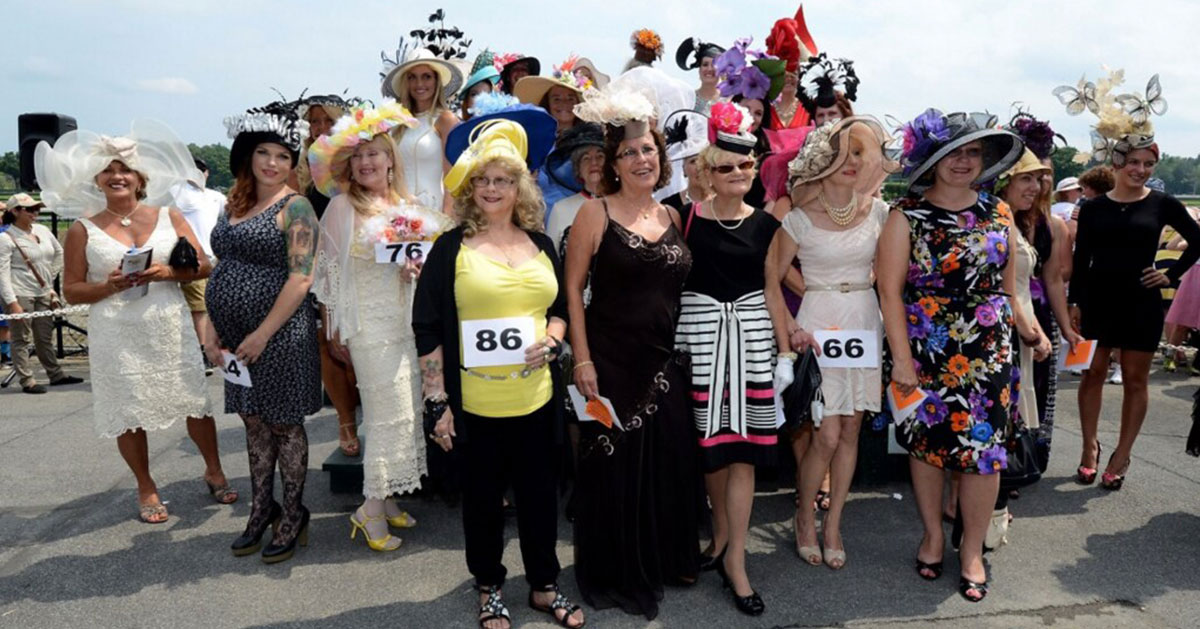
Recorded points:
(583, 364)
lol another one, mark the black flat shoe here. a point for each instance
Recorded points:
(965, 585)
(34, 389)
(65, 380)
(251, 541)
(934, 568)
(750, 605)
(709, 562)
(276, 554)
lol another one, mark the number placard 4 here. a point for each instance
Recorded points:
(496, 342)
(235, 370)
(401, 252)
(855, 349)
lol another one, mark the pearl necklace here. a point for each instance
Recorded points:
(125, 220)
(712, 210)
(842, 216)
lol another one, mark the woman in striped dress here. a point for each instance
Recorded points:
(725, 326)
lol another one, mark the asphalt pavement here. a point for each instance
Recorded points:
(73, 554)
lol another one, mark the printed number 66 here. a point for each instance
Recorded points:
(833, 348)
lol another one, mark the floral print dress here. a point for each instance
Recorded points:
(960, 330)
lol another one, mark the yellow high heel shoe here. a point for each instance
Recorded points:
(402, 521)
(383, 544)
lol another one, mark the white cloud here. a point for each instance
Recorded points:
(40, 68)
(167, 85)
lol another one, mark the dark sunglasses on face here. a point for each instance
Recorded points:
(725, 169)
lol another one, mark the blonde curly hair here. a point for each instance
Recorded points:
(710, 158)
(362, 200)
(530, 208)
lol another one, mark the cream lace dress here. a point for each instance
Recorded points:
(147, 370)
(370, 305)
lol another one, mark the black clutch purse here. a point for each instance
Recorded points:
(183, 256)
(1023, 469)
(805, 388)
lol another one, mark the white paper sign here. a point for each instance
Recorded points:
(496, 342)
(235, 370)
(401, 252)
(581, 409)
(856, 349)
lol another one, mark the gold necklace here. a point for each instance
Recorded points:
(841, 216)
(787, 113)
(125, 220)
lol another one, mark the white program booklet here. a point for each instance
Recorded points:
(135, 260)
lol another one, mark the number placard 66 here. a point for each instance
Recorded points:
(496, 342)
(857, 349)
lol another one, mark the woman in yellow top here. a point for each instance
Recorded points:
(489, 316)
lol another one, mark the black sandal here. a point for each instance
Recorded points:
(560, 602)
(494, 607)
(965, 585)
(935, 568)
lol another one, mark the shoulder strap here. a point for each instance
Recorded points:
(37, 276)
(687, 227)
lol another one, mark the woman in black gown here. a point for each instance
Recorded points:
(637, 491)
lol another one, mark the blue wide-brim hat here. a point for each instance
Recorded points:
(540, 127)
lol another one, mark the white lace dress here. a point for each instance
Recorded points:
(147, 370)
(371, 307)
(830, 258)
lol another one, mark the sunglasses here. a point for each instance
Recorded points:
(725, 169)
(32, 210)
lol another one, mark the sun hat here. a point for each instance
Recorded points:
(1068, 183)
(532, 89)
(933, 135)
(67, 171)
(359, 125)
(537, 128)
(599, 78)
(825, 151)
(408, 56)
(560, 162)
(506, 62)
(1029, 163)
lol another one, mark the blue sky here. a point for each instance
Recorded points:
(190, 64)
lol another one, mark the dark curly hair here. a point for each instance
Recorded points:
(613, 136)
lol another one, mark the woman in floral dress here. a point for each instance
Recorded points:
(945, 282)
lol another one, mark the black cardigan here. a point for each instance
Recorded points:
(435, 318)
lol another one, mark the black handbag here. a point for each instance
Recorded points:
(183, 256)
(1023, 469)
(805, 388)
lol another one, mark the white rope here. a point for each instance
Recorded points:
(69, 310)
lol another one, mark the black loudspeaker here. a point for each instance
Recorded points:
(33, 128)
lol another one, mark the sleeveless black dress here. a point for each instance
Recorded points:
(252, 268)
(637, 491)
(1045, 373)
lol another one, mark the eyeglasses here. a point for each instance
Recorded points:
(647, 151)
(725, 169)
(499, 183)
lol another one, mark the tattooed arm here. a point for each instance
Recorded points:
(433, 386)
(300, 229)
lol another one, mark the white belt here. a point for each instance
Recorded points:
(844, 287)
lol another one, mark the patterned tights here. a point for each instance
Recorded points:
(266, 444)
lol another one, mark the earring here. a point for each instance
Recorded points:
(391, 174)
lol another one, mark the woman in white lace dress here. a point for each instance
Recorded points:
(833, 228)
(147, 370)
(367, 305)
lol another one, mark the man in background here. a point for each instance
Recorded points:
(201, 207)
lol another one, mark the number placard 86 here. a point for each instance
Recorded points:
(496, 342)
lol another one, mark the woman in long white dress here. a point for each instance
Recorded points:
(147, 370)
(422, 82)
(832, 228)
(368, 306)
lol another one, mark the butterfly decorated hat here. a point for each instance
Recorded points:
(500, 125)
(933, 135)
(532, 90)
(1122, 119)
(66, 172)
(749, 73)
(329, 155)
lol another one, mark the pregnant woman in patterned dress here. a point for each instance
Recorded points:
(260, 310)
(368, 305)
(946, 280)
